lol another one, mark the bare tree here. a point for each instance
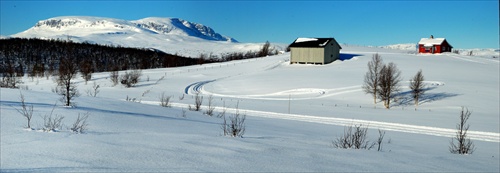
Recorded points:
(461, 144)
(265, 50)
(388, 84)
(370, 85)
(417, 86)
(68, 90)
(10, 76)
(86, 70)
(26, 111)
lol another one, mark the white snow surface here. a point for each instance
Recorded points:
(299, 40)
(294, 112)
(171, 35)
(431, 41)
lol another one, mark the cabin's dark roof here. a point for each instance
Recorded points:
(313, 42)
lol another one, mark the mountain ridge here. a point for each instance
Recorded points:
(86, 25)
(170, 35)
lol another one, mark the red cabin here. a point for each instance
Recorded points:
(433, 45)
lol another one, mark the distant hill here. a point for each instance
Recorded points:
(171, 35)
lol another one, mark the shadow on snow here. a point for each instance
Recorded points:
(347, 56)
(406, 99)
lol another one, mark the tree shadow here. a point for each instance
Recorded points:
(347, 56)
(406, 99)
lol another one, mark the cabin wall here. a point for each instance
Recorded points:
(307, 55)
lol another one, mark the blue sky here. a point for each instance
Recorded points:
(465, 24)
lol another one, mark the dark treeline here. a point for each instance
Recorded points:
(38, 57)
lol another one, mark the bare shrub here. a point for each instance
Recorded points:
(129, 79)
(114, 77)
(388, 84)
(470, 53)
(158, 81)
(222, 114)
(26, 111)
(165, 100)
(354, 138)
(198, 100)
(461, 144)
(211, 106)
(371, 82)
(80, 124)
(94, 91)
(380, 139)
(132, 99)
(52, 124)
(236, 125)
(181, 97)
(183, 113)
(417, 86)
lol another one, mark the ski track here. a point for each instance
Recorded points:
(198, 87)
(397, 127)
(476, 59)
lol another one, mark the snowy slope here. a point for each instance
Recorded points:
(171, 35)
(145, 137)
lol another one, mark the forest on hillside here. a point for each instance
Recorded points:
(38, 57)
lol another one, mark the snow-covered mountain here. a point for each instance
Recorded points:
(171, 35)
(83, 26)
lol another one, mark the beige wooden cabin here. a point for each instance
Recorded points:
(314, 51)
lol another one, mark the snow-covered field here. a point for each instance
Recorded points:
(294, 112)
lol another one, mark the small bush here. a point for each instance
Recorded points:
(211, 107)
(165, 100)
(52, 124)
(94, 91)
(380, 139)
(236, 125)
(129, 79)
(80, 124)
(198, 100)
(114, 77)
(354, 138)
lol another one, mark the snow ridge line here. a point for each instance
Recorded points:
(397, 127)
(465, 59)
